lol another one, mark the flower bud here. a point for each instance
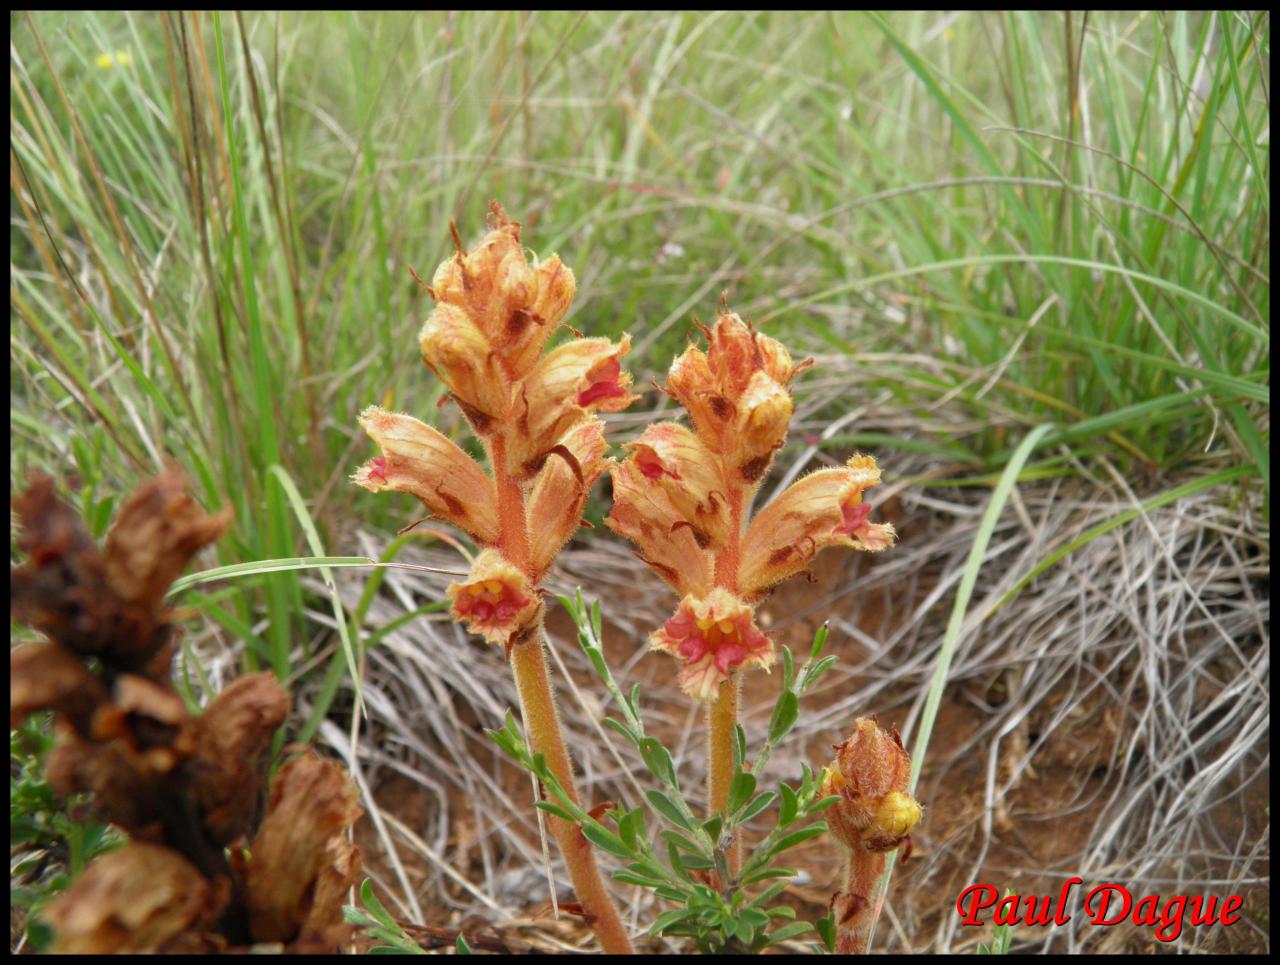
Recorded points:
(560, 490)
(497, 601)
(555, 290)
(491, 282)
(713, 636)
(419, 460)
(459, 354)
(671, 459)
(871, 775)
(823, 509)
(736, 393)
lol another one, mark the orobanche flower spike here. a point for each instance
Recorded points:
(683, 496)
(535, 415)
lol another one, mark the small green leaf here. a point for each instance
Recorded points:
(695, 862)
(784, 716)
(658, 759)
(764, 874)
(826, 928)
(667, 919)
(740, 791)
(553, 808)
(790, 805)
(821, 667)
(819, 806)
(797, 837)
(819, 641)
(678, 840)
(739, 747)
(761, 802)
(712, 827)
(606, 840)
(665, 806)
(788, 669)
(374, 906)
(631, 828)
(789, 931)
(460, 946)
(614, 724)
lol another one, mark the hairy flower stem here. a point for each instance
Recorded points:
(722, 715)
(530, 668)
(529, 665)
(856, 904)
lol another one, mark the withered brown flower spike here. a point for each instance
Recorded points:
(186, 788)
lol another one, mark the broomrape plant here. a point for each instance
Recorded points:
(683, 495)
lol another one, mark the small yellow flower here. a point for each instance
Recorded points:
(105, 61)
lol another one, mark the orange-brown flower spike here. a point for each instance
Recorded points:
(534, 415)
(876, 813)
(683, 496)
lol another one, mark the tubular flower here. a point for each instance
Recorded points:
(823, 509)
(560, 490)
(419, 460)
(643, 513)
(712, 636)
(684, 471)
(497, 601)
(576, 379)
(459, 354)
